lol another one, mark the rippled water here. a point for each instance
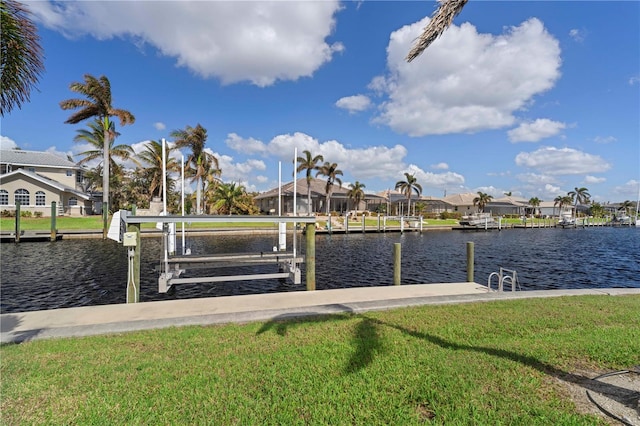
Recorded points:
(70, 273)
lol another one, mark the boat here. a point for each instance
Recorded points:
(636, 220)
(567, 219)
(479, 220)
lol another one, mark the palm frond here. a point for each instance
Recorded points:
(441, 20)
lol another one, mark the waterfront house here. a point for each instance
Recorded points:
(267, 201)
(462, 203)
(509, 206)
(35, 179)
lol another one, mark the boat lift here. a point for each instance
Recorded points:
(125, 228)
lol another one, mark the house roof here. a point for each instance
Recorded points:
(465, 199)
(509, 201)
(20, 157)
(45, 181)
(318, 187)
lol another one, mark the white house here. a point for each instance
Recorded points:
(35, 179)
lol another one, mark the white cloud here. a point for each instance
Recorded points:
(467, 81)
(7, 143)
(246, 146)
(159, 125)
(536, 179)
(433, 180)
(237, 172)
(594, 179)
(259, 42)
(578, 35)
(634, 80)
(535, 131)
(354, 104)
(66, 154)
(604, 139)
(552, 190)
(629, 189)
(440, 166)
(562, 161)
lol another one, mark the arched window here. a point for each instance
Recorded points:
(21, 196)
(4, 197)
(40, 198)
(73, 201)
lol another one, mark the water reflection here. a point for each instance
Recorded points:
(71, 273)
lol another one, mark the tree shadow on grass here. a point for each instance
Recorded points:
(365, 339)
(619, 394)
(367, 344)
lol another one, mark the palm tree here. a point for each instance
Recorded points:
(557, 202)
(230, 199)
(535, 203)
(482, 200)
(331, 171)
(152, 156)
(211, 183)
(309, 163)
(579, 196)
(98, 106)
(562, 200)
(199, 161)
(407, 187)
(95, 138)
(442, 18)
(21, 57)
(356, 193)
(626, 206)
(596, 210)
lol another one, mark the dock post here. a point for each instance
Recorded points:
(310, 233)
(378, 222)
(363, 223)
(133, 275)
(17, 238)
(397, 263)
(53, 221)
(470, 259)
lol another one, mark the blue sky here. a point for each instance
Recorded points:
(535, 98)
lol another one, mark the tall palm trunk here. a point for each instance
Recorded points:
(105, 176)
(198, 196)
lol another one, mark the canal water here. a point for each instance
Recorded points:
(71, 273)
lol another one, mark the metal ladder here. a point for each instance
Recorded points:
(505, 276)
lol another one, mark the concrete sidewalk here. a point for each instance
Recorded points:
(106, 319)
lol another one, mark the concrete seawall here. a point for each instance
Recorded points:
(120, 318)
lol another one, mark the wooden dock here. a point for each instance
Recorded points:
(29, 236)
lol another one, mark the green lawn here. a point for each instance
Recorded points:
(95, 223)
(493, 363)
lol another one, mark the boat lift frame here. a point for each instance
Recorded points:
(129, 235)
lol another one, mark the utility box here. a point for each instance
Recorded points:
(130, 239)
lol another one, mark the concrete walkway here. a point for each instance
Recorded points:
(106, 319)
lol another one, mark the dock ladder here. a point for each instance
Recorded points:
(509, 276)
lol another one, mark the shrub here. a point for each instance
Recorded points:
(450, 215)
(37, 214)
(26, 213)
(8, 213)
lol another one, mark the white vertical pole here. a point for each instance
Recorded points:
(182, 199)
(295, 204)
(295, 182)
(282, 226)
(279, 188)
(164, 177)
